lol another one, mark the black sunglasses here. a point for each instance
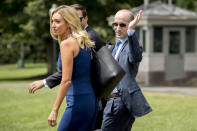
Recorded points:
(120, 24)
(81, 18)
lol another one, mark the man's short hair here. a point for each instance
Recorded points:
(80, 7)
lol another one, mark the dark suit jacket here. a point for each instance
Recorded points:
(55, 79)
(129, 57)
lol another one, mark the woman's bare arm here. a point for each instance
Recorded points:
(68, 51)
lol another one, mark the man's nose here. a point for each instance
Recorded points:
(118, 27)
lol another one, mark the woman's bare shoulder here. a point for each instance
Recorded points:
(70, 42)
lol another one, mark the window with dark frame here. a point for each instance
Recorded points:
(190, 39)
(158, 38)
(144, 39)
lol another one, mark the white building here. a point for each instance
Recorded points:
(169, 37)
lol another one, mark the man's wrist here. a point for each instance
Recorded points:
(130, 32)
(45, 83)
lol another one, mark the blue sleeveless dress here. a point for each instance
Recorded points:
(82, 105)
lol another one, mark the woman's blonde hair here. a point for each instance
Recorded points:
(72, 19)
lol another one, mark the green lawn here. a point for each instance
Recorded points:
(171, 112)
(11, 73)
(21, 111)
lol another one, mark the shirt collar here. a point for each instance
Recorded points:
(86, 27)
(123, 40)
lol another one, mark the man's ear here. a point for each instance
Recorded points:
(112, 28)
(86, 17)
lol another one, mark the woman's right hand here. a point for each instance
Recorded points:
(52, 119)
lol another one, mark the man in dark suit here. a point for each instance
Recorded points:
(55, 79)
(126, 101)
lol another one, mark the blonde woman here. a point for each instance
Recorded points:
(75, 63)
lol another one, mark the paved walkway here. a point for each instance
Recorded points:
(192, 91)
(14, 85)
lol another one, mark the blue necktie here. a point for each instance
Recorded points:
(113, 54)
(116, 48)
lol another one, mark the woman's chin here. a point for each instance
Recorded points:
(55, 33)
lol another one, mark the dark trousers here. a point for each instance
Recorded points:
(116, 116)
(99, 118)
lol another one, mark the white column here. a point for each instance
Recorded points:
(146, 2)
(141, 36)
(195, 40)
(149, 39)
(170, 2)
(183, 41)
(165, 41)
(148, 50)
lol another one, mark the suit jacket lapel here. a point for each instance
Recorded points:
(88, 28)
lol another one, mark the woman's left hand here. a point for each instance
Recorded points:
(52, 118)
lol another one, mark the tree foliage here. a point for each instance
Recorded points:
(27, 22)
